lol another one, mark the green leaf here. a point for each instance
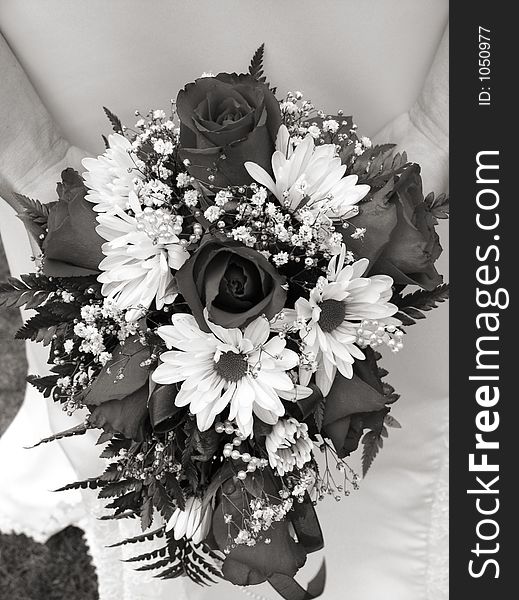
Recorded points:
(118, 488)
(319, 414)
(256, 64)
(158, 552)
(92, 483)
(114, 120)
(122, 376)
(372, 443)
(143, 537)
(38, 329)
(161, 499)
(390, 421)
(127, 502)
(33, 215)
(438, 206)
(147, 514)
(44, 384)
(76, 430)
(174, 490)
(412, 306)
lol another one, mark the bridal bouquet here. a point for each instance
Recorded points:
(215, 292)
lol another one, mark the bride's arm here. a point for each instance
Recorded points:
(423, 131)
(32, 150)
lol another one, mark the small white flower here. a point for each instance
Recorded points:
(104, 358)
(163, 147)
(331, 125)
(159, 114)
(67, 297)
(227, 367)
(68, 346)
(192, 523)
(183, 180)
(191, 198)
(213, 213)
(288, 445)
(358, 233)
(222, 198)
(281, 258)
(314, 131)
(366, 142)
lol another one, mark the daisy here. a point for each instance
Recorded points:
(288, 445)
(310, 177)
(193, 522)
(333, 312)
(111, 176)
(227, 367)
(140, 253)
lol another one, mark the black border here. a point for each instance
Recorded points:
(475, 128)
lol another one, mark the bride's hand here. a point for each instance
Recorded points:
(423, 131)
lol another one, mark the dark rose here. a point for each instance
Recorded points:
(400, 240)
(251, 565)
(234, 282)
(231, 116)
(353, 405)
(72, 246)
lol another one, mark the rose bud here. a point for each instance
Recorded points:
(400, 237)
(72, 247)
(235, 283)
(225, 121)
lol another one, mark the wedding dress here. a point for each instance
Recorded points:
(386, 540)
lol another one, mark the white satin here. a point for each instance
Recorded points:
(387, 540)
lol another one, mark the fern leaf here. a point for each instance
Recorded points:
(161, 500)
(44, 384)
(76, 430)
(157, 553)
(319, 414)
(372, 444)
(91, 483)
(118, 488)
(175, 491)
(412, 306)
(143, 537)
(114, 120)
(256, 64)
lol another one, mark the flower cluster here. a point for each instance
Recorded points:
(215, 291)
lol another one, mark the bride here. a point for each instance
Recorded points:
(389, 538)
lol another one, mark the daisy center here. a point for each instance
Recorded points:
(232, 366)
(332, 314)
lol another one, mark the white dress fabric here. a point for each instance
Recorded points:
(388, 539)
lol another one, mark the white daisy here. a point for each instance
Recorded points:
(288, 445)
(245, 371)
(332, 315)
(310, 177)
(140, 253)
(193, 522)
(111, 176)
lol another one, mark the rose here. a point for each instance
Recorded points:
(252, 565)
(235, 283)
(71, 247)
(400, 239)
(355, 404)
(225, 121)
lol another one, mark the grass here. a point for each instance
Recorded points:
(61, 568)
